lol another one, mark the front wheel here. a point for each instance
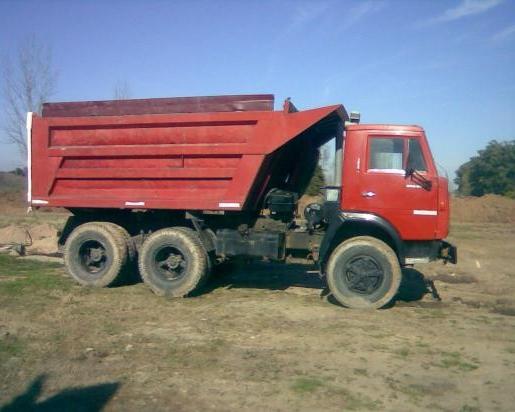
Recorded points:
(363, 273)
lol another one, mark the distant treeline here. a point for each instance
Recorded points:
(19, 171)
(491, 171)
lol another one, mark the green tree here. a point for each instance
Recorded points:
(317, 182)
(491, 171)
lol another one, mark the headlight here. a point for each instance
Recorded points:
(332, 194)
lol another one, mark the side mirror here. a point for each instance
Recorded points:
(409, 172)
(418, 179)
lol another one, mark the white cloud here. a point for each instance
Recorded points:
(504, 33)
(305, 13)
(356, 13)
(464, 9)
(310, 11)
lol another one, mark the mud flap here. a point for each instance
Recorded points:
(448, 252)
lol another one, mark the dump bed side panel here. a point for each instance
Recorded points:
(206, 161)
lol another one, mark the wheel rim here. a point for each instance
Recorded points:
(93, 256)
(363, 275)
(170, 263)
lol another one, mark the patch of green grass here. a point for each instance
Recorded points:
(356, 401)
(468, 408)
(307, 384)
(202, 356)
(20, 276)
(351, 401)
(422, 344)
(10, 346)
(380, 347)
(57, 337)
(413, 392)
(454, 360)
(482, 319)
(112, 328)
(402, 353)
(362, 372)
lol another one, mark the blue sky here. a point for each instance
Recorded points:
(448, 66)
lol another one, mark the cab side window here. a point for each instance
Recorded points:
(415, 157)
(386, 154)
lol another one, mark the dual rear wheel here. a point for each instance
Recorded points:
(172, 262)
(99, 254)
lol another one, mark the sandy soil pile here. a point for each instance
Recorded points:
(485, 209)
(39, 239)
(13, 234)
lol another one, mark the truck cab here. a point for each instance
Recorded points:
(388, 171)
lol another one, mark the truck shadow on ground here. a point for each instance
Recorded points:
(414, 286)
(86, 399)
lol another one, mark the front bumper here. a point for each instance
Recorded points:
(448, 252)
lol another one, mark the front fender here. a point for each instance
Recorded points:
(358, 224)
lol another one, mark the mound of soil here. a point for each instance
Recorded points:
(13, 234)
(485, 209)
(39, 239)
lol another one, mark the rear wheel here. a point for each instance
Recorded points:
(173, 262)
(363, 273)
(122, 233)
(95, 254)
(130, 270)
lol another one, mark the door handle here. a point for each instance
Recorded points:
(368, 194)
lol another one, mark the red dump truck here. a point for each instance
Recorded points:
(179, 185)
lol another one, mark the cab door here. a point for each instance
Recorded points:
(382, 186)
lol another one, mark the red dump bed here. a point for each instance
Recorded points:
(199, 154)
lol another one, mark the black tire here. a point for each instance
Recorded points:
(122, 233)
(129, 273)
(363, 273)
(95, 254)
(209, 261)
(173, 262)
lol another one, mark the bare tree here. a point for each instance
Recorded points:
(121, 91)
(28, 80)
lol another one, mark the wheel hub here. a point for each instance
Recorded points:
(96, 254)
(170, 263)
(93, 256)
(174, 261)
(363, 275)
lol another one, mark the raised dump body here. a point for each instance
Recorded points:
(202, 153)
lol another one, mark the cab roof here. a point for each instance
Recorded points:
(385, 127)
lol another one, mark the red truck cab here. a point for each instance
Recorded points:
(389, 171)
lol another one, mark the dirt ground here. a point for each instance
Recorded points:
(262, 337)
